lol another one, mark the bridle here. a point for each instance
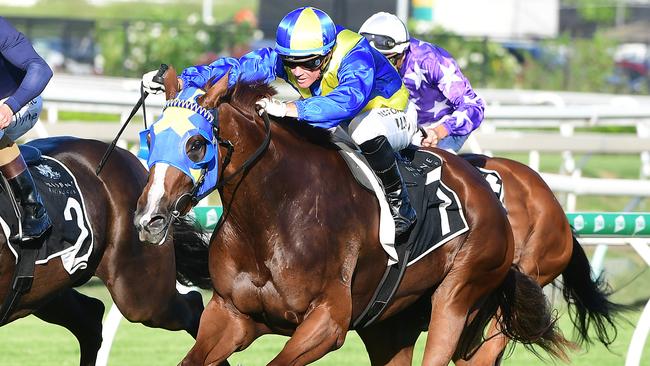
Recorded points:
(230, 148)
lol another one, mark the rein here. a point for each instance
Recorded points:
(250, 160)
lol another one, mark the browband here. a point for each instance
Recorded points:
(187, 104)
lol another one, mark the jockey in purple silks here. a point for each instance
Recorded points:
(448, 109)
(23, 76)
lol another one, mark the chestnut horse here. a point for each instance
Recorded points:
(297, 252)
(545, 248)
(140, 279)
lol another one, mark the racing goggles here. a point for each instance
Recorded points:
(382, 43)
(310, 63)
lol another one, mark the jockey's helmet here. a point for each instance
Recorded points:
(304, 32)
(386, 32)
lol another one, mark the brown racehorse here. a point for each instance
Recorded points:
(545, 248)
(297, 252)
(118, 258)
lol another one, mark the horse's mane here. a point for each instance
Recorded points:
(243, 97)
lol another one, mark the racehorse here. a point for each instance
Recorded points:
(117, 257)
(297, 251)
(545, 248)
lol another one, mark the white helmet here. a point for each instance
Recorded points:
(386, 33)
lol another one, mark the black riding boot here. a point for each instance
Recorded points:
(35, 220)
(381, 158)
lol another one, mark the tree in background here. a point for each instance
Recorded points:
(133, 47)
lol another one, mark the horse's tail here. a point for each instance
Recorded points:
(589, 298)
(526, 316)
(191, 250)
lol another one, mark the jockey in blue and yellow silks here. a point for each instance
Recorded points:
(342, 81)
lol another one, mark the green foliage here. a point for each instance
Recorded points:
(483, 62)
(580, 65)
(131, 48)
(595, 10)
(559, 64)
(134, 37)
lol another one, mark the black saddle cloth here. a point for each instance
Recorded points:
(440, 216)
(71, 235)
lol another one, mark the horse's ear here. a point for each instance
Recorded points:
(171, 83)
(210, 99)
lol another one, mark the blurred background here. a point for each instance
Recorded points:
(566, 83)
(582, 45)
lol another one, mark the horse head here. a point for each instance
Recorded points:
(182, 155)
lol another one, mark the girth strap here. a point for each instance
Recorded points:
(385, 290)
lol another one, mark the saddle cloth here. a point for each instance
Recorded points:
(440, 214)
(496, 183)
(71, 237)
(439, 211)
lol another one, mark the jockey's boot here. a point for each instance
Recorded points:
(35, 220)
(382, 160)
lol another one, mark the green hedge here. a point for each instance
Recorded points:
(132, 47)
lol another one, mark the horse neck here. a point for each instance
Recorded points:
(272, 177)
(295, 186)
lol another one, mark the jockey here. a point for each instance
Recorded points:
(342, 81)
(23, 76)
(447, 107)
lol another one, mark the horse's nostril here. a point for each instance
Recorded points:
(156, 224)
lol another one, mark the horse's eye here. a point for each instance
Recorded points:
(196, 145)
(195, 148)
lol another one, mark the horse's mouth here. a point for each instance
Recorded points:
(155, 231)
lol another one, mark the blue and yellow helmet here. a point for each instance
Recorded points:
(305, 31)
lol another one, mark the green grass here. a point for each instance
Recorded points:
(89, 117)
(30, 341)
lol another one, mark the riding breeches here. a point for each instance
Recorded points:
(398, 126)
(24, 119)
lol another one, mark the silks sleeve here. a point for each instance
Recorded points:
(17, 50)
(255, 66)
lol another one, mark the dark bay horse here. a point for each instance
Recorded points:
(545, 248)
(298, 254)
(140, 278)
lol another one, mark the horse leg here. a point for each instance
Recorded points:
(81, 315)
(223, 330)
(391, 341)
(451, 305)
(323, 330)
(158, 308)
(157, 304)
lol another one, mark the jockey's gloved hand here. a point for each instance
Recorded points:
(151, 86)
(272, 106)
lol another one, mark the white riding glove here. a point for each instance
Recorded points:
(151, 86)
(272, 106)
